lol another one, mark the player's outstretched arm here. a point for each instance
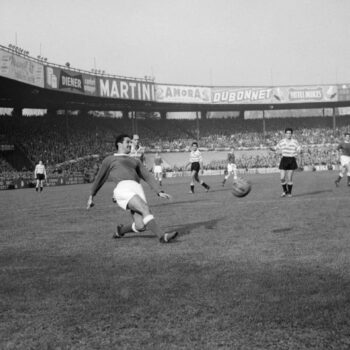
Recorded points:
(90, 202)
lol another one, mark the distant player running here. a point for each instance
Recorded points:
(231, 166)
(289, 148)
(126, 172)
(344, 150)
(196, 162)
(40, 176)
(158, 169)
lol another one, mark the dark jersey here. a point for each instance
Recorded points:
(345, 148)
(158, 161)
(119, 167)
(231, 158)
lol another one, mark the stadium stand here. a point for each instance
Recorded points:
(77, 143)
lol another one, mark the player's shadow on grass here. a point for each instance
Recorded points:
(187, 228)
(182, 229)
(312, 193)
(221, 189)
(178, 202)
(282, 230)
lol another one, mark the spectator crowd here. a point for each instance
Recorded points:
(76, 143)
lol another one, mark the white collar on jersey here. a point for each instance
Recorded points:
(120, 154)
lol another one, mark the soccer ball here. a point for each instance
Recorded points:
(241, 187)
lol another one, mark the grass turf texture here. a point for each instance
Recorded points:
(261, 272)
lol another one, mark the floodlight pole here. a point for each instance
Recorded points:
(264, 125)
(197, 125)
(133, 122)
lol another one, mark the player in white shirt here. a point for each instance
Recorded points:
(158, 169)
(344, 152)
(289, 148)
(196, 162)
(137, 151)
(40, 176)
(231, 166)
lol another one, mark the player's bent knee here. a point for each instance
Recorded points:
(137, 227)
(147, 219)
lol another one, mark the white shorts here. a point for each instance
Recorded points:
(344, 160)
(231, 167)
(158, 169)
(125, 190)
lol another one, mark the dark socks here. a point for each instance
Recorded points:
(154, 227)
(284, 187)
(205, 185)
(125, 229)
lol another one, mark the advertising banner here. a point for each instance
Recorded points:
(22, 69)
(182, 94)
(126, 89)
(262, 95)
(53, 180)
(70, 81)
(244, 95)
(300, 94)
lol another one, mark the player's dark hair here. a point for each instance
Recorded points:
(195, 143)
(347, 133)
(288, 129)
(120, 138)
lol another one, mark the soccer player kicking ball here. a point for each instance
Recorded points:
(344, 148)
(127, 172)
(289, 148)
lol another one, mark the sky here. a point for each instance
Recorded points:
(192, 42)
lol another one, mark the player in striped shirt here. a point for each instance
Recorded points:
(231, 166)
(290, 148)
(127, 172)
(344, 150)
(196, 162)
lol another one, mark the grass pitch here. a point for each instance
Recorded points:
(261, 272)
